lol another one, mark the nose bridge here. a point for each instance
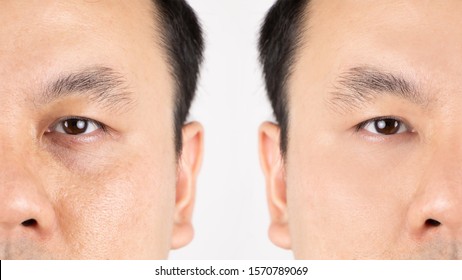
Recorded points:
(11, 140)
(14, 167)
(24, 204)
(14, 160)
(445, 162)
(8, 150)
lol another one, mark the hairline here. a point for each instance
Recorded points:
(161, 40)
(291, 55)
(300, 41)
(164, 40)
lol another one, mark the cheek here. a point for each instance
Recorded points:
(337, 188)
(125, 211)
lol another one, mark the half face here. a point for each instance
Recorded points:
(373, 162)
(88, 166)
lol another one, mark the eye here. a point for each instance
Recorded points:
(76, 126)
(384, 126)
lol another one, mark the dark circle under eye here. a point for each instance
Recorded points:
(75, 126)
(387, 126)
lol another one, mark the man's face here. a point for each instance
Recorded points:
(373, 162)
(88, 167)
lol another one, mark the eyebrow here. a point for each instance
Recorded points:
(360, 86)
(102, 85)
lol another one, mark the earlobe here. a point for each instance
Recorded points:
(272, 164)
(188, 169)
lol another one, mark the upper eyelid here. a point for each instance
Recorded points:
(74, 117)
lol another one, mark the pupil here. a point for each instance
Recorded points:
(387, 126)
(75, 126)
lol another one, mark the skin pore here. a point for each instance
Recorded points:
(372, 169)
(88, 167)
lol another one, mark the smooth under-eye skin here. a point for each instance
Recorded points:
(88, 167)
(372, 169)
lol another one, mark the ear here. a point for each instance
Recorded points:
(273, 168)
(188, 169)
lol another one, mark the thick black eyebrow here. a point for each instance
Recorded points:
(361, 85)
(102, 85)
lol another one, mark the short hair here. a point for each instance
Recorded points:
(280, 39)
(182, 38)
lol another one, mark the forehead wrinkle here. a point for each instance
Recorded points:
(362, 85)
(102, 85)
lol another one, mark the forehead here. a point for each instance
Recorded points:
(40, 38)
(76, 13)
(418, 40)
(422, 35)
(58, 22)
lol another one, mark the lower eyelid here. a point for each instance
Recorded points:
(70, 141)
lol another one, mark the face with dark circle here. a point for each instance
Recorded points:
(372, 169)
(88, 166)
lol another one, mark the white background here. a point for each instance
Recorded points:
(317, 270)
(231, 217)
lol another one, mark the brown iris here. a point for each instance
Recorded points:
(387, 126)
(75, 126)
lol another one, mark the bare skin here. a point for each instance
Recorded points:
(70, 187)
(355, 187)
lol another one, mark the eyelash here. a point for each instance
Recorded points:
(104, 128)
(362, 125)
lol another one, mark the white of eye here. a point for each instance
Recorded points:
(386, 126)
(75, 126)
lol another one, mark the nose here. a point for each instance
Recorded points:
(437, 206)
(25, 210)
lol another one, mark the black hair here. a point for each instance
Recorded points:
(280, 38)
(181, 36)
